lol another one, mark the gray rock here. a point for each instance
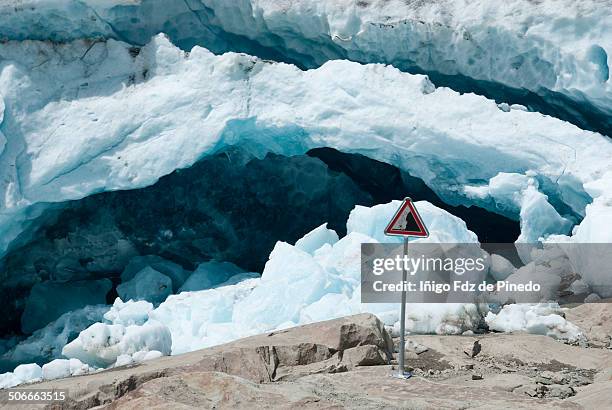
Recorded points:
(301, 354)
(579, 380)
(543, 380)
(474, 349)
(258, 365)
(338, 334)
(412, 346)
(365, 329)
(285, 354)
(477, 377)
(528, 389)
(593, 297)
(560, 391)
(290, 373)
(541, 390)
(368, 355)
(556, 378)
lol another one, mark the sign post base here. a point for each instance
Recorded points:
(403, 376)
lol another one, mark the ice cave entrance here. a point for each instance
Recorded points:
(230, 206)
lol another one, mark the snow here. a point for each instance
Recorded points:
(123, 360)
(550, 267)
(340, 258)
(579, 287)
(301, 280)
(542, 319)
(593, 297)
(25, 373)
(588, 254)
(442, 319)
(135, 128)
(545, 276)
(142, 355)
(136, 113)
(444, 228)
(28, 372)
(329, 306)
(203, 318)
(148, 284)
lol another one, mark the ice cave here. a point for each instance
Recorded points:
(175, 175)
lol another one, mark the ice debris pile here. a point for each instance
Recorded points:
(316, 279)
(543, 319)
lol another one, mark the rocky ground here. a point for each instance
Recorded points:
(350, 363)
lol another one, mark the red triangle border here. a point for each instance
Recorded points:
(421, 233)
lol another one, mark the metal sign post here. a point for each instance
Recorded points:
(402, 346)
(406, 223)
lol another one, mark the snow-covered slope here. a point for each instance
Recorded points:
(84, 117)
(545, 46)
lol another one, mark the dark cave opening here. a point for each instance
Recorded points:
(385, 183)
(229, 206)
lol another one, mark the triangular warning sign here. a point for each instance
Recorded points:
(407, 222)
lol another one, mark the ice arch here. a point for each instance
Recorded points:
(87, 117)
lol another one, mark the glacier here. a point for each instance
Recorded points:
(553, 54)
(136, 114)
(90, 109)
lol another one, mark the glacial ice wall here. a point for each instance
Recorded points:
(84, 117)
(560, 50)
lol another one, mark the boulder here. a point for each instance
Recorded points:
(560, 391)
(473, 349)
(301, 354)
(360, 340)
(337, 334)
(368, 355)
